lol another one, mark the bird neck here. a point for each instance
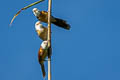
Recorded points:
(37, 13)
(39, 27)
(44, 46)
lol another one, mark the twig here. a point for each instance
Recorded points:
(25, 9)
(49, 39)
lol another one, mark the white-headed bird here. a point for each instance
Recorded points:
(41, 30)
(43, 17)
(42, 54)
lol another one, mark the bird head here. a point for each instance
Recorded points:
(44, 44)
(38, 26)
(36, 12)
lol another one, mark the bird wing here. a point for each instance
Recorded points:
(42, 54)
(44, 34)
(43, 16)
(41, 60)
(44, 13)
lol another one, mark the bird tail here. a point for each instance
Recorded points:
(61, 23)
(43, 69)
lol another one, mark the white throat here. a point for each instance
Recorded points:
(39, 27)
(43, 45)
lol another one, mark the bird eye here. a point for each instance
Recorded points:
(37, 23)
(35, 10)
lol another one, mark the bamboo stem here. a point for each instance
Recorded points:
(49, 39)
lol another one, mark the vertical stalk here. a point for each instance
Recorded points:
(49, 39)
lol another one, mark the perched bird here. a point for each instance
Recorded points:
(42, 54)
(41, 30)
(43, 16)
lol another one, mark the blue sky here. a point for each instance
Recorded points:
(89, 51)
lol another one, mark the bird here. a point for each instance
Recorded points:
(42, 54)
(42, 31)
(43, 17)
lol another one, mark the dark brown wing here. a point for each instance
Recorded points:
(40, 53)
(41, 60)
(43, 16)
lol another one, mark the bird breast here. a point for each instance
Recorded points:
(42, 34)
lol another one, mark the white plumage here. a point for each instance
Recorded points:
(41, 30)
